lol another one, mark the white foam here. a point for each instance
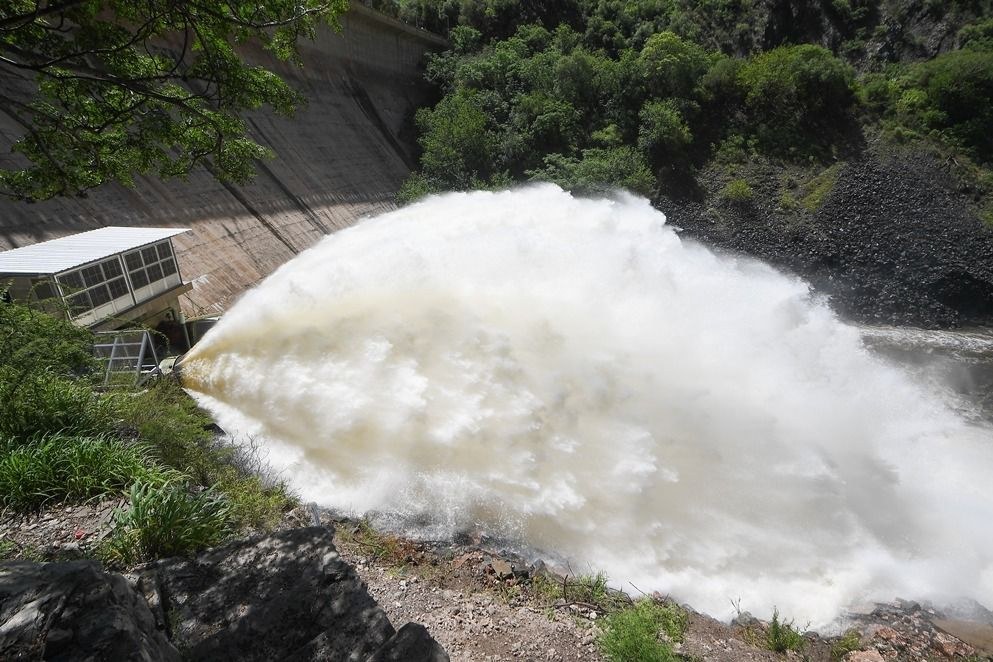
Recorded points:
(570, 373)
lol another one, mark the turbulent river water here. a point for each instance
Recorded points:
(571, 375)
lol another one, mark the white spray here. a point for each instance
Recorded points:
(569, 373)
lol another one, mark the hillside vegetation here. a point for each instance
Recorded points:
(64, 439)
(601, 93)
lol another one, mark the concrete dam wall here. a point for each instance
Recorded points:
(340, 157)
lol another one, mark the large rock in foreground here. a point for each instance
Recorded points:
(75, 611)
(286, 596)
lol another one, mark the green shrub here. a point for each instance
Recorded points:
(783, 636)
(664, 132)
(165, 520)
(797, 98)
(34, 342)
(254, 504)
(456, 138)
(57, 467)
(737, 191)
(598, 171)
(672, 66)
(415, 187)
(179, 433)
(959, 98)
(635, 634)
(40, 403)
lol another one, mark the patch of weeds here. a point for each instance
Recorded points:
(382, 547)
(166, 418)
(592, 590)
(8, 550)
(167, 520)
(254, 505)
(815, 191)
(59, 468)
(737, 191)
(643, 633)
(787, 202)
(12, 551)
(851, 641)
(782, 635)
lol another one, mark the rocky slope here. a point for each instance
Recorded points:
(891, 237)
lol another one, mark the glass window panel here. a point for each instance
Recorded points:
(118, 288)
(72, 280)
(149, 255)
(99, 295)
(79, 303)
(133, 260)
(139, 279)
(163, 250)
(111, 268)
(92, 275)
(169, 267)
(154, 273)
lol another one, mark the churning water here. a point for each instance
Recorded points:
(569, 373)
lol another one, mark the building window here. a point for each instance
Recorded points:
(150, 264)
(92, 286)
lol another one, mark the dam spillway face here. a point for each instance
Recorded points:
(340, 157)
(570, 374)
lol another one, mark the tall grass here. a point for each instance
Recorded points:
(642, 633)
(167, 520)
(40, 403)
(60, 467)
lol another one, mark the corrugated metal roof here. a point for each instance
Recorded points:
(51, 257)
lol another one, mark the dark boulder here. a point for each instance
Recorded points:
(286, 596)
(75, 611)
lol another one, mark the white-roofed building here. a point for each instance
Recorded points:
(103, 279)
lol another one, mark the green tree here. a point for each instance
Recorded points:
(123, 87)
(457, 140)
(664, 134)
(672, 66)
(797, 97)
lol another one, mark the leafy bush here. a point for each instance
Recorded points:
(33, 342)
(672, 66)
(783, 636)
(598, 171)
(959, 98)
(797, 97)
(456, 140)
(633, 634)
(38, 403)
(737, 191)
(167, 520)
(664, 133)
(59, 467)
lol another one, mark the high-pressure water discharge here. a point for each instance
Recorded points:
(569, 373)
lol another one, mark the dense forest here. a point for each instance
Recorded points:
(603, 93)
